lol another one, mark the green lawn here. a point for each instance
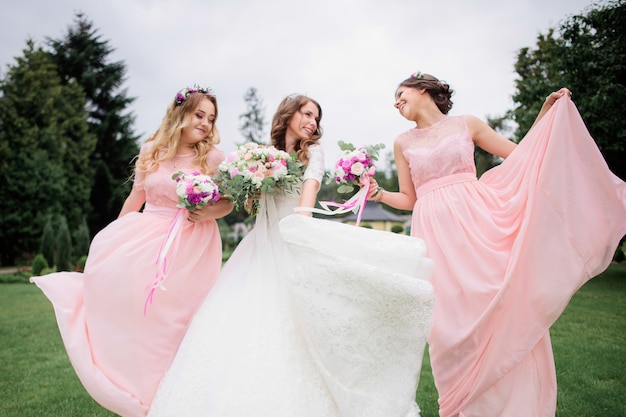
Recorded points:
(36, 379)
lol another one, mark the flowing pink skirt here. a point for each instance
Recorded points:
(510, 250)
(119, 353)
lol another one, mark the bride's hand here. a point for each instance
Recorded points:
(251, 201)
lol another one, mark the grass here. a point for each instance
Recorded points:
(589, 347)
(36, 378)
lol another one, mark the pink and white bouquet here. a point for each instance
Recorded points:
(352, 170)
(253, 169)
(354, 166)
(195, 190)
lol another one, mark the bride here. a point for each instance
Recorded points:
(308, 317)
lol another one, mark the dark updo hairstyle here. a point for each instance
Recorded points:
(286, 109)
(439, 90)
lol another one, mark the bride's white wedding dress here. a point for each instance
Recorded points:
(308, 318)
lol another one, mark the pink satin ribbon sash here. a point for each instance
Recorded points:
(355, 204)
(170, 242)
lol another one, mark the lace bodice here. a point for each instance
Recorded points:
(159, 185)
(288, 200)
(443, 149)
(280, 204)
(315, 169)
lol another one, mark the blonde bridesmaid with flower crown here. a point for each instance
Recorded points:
(510, 248)
(122, 320)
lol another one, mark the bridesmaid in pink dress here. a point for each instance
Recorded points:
(509, 249)
(119, 344)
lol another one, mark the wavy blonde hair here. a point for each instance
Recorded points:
(167, 138)
(286, 109)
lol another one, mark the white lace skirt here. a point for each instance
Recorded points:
(309, 318)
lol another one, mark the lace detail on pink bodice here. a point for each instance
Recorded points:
(443, 149)
(160, 187)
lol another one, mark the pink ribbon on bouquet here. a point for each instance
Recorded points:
(355, 204)
(161, 262)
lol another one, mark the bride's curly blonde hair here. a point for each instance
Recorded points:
(167, 138)
(286, 109)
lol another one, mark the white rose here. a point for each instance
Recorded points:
(357, 168)
(340, 173)
(181, 189)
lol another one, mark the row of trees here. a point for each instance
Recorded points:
(66, 136)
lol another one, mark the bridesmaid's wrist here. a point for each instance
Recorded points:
(378, 195)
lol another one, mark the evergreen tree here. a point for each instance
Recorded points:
(44, 152)
(253, 120)
(252, 129)
(81, 240)
(38, 265)
(48, 242)
(101, 198)
(82, 57)
(63, 254)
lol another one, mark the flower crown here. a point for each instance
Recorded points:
(182, 95)
(417, 74)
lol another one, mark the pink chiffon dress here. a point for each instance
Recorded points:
(509, 250)
(119, 346)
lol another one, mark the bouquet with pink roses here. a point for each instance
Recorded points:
(195, 190)
(355, 166)
(253, 169)
(352, 170)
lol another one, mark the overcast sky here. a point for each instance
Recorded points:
(347, 54)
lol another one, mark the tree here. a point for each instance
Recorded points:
(63, 254)
(253, 120)
(586, 53)
(81, 240)
(252, 129)
(44, 152)
(82, 58)
(48, 242)
(537, 77)
(483, 159)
